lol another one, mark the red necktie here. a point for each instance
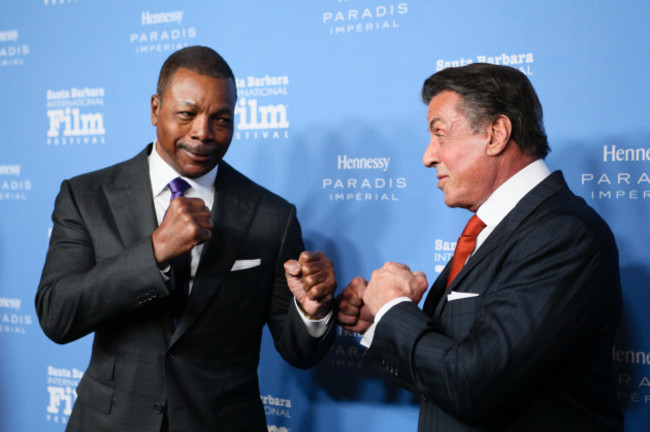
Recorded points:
(465, 246)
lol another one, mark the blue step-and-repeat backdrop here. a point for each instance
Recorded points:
(329, 116)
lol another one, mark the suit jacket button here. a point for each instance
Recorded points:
(158, 408)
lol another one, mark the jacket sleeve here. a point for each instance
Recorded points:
(553, 293)
(88, 277)
(289, 332)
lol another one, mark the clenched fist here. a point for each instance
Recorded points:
(353, 314)
(186, 224)
(312, 281)
(391, 281)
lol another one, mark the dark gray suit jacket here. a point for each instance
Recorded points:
(531, 352)
(100, 276)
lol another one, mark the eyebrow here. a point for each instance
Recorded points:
(193, 104)
(433, 121)
(189, 102)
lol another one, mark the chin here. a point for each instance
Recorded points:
(195, 171)
(450, 202)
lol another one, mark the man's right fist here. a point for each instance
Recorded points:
(186, 224)
(353, 314)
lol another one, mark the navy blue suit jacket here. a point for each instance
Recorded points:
(531, 351)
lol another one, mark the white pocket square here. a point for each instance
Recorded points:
(455, 295)
(246, 264)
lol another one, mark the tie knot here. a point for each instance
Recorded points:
(473, 227)
(178, 186)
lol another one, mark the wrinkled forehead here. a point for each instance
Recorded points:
(445, 109)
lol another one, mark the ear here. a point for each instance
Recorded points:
(155, 109)
(499, 131)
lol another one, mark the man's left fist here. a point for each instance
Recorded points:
(312, 281)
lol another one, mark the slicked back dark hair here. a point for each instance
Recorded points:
(488, 90)
(199, 59)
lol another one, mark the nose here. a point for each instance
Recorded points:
(202, 129)
(430, 157)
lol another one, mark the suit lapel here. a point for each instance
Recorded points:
(524, 208)
(548, 187)
(234, 208)
(130, 199)
(436, 292)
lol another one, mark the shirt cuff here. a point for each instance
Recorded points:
(315, 328)
(165, 272)
(369, 335)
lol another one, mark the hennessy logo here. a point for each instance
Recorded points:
(149, 18)
(10, 303)
(57, 2)
(347, 163)
(9, 36)
(74, 123)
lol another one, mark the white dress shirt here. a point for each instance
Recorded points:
(491, 212)
(160, 174)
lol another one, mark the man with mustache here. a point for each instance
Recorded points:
(176, 261)
(517, 331)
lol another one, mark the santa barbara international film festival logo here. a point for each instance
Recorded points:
(623, 175)
(75, 116)
(161, 31)
(13, 187)
(62, 390)
(276, 407)
(524, 61)
(261, 110)
(443, 251)
(363, 179)
(347, 17)
(12, 52)
(12, 320)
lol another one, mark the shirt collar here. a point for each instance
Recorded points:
(161, 174)
(506, 197)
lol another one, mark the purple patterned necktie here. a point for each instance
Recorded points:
(178, 186)
(180, 264)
